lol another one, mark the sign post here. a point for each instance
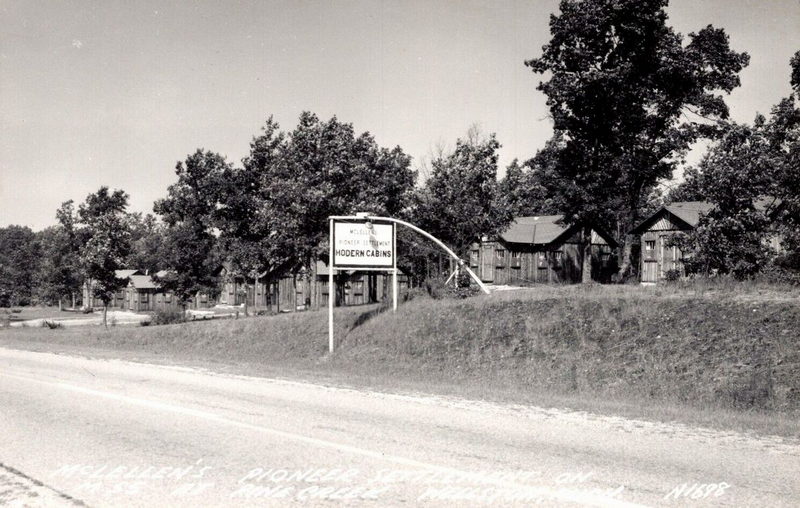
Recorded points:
(359, 243)
(364, 242)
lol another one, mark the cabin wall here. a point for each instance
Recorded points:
(658, 257)
(525, 265)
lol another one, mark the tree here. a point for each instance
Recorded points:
(622, 87)
(752, 177)
(295, 181)
(108, 243)
(530, 189)
(19, 253)
(459, 202)
(190, 212)
(147, 240)
(58, 274)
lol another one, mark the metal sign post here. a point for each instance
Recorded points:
(364, 242)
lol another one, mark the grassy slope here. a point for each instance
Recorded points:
(636, 351)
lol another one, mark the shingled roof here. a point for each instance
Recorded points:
(143, 282)
(688, 212)
(545, 229)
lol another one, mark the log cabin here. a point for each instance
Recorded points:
(540, 249)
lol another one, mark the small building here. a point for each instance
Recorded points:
(658, 255)
(290, 288)
(540, 249)
(142, 293)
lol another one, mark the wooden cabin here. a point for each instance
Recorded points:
(142, 294)
(290, 288)
(539, 249)
(657, 255)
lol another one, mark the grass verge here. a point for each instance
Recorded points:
(720, 359)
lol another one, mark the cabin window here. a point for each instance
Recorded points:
(168, 297)
(473, 257)
(500, 257)
(557, 258)
(515, 259)
(650, 245)
(542, 256)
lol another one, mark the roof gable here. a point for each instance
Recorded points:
(681, 215)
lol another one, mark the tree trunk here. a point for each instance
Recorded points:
(246, 297)
(60, 304)
(586, 271)
(105, 313)
(73, 300)
(626, 265)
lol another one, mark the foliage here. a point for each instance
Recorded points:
(622, 88)
(297, 180)
(189, 253)
(108, 238)
(752, 176)
(530, 189)
(459, 202)
(19, 252)
(167, 317)
(147, 240)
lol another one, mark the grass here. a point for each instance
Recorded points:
(718, 356)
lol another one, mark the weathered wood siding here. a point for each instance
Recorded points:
(525, 265)
(658, 256)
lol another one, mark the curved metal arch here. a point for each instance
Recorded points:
(437, 242)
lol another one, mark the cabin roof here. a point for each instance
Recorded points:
(143, 282)
(124, 274)
(687, 212)
(546, 229)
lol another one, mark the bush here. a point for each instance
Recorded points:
(775, 274)
(438, 290)
(672, 275)
(167, 317)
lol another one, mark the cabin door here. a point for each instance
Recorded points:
(649, 259)
(487, 263)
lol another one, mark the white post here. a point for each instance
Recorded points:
(394, 267)
(331, 289)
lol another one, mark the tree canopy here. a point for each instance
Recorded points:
(629, 97)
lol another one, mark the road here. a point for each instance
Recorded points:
(78, 431)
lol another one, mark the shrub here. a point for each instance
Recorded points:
(52, 324)
(438, 290)
(672, 275)
(167, 317)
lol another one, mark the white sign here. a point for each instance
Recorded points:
(363, 244)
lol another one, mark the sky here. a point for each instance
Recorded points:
(116, 92)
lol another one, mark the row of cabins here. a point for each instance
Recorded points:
(533, 250)
(281, 291)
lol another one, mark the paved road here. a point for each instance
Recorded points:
(114, 433)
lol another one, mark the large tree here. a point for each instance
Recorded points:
(295, 181)
(630, 98)
(752, 177)
(19, 254)
(459, 202)
(106, 224)
(190, 212)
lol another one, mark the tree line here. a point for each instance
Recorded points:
(628, 97)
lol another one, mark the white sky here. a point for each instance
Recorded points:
(116, 92)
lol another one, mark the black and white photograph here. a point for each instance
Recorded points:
(399, 253)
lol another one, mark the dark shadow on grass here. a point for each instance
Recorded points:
(366, 316)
